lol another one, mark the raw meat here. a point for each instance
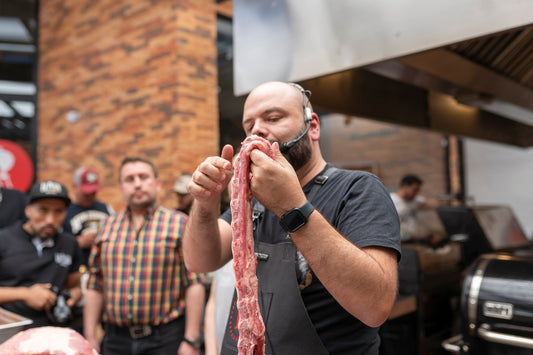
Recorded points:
(251, 326)
(47, 341)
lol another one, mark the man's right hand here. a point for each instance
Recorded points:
(211, 177)
(40, 297)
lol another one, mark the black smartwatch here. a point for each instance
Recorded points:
(296, 218)
(195, 343)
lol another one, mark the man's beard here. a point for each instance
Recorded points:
(45, 232)
(300, 153)
(145, 202)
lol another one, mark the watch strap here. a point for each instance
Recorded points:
(195, 343)
(306, 209)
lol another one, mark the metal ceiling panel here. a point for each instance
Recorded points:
(284, 40)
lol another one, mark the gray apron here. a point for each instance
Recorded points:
(289, 329)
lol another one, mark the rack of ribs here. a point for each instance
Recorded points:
(251, 326)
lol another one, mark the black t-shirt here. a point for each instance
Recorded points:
(359, 206)
(78, 218)
(21, 265)
(12, 205)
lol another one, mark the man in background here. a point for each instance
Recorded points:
(85, 215)
(151, 303)
(409, 202)
(183, 196)
(38, 263)
(12, 204)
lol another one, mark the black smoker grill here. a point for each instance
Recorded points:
(483, 229)
(496, 307)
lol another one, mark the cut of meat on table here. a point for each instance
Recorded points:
(47, 341)
(251, 326)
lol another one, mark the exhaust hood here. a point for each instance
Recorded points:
(457, 67)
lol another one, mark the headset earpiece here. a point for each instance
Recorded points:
(307, 114)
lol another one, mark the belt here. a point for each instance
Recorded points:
(138, 331)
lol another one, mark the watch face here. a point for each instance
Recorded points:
(294, 220)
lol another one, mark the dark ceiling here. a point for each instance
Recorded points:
(18, 28)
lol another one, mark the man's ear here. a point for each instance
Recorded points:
(27, 210)
(314, 130)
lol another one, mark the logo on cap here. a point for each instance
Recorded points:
(91, 178)
(50, 188)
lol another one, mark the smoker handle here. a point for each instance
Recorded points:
(485, 333)
(452, 344)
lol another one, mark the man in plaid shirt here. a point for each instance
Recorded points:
(138, 281)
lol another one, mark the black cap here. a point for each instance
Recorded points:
(48, 189)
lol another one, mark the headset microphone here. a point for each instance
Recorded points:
(284, 148)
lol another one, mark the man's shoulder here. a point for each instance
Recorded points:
(74, 208)
(14, 194)
(119, 216)
(171, 213)
(66, 237)
(358, 179)
(355, 174)
(101, 206)
(13, 229)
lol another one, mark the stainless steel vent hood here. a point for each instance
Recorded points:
(458, 67)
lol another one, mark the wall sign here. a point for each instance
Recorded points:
(16, 167)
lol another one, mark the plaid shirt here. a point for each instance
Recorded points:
(141, 273)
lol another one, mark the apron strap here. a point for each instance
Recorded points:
(320, 181)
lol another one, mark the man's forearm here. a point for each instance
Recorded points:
(367, 286)
(201, 241)
(94, 304)
(12, 294)
(194, 310)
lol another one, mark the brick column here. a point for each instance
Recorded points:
(135, 78)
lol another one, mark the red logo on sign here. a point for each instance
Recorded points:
(16, 167)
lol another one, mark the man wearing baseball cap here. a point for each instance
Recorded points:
(85, 215)
(38, 263)
(184, 198)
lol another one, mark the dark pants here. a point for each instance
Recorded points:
(164, 340)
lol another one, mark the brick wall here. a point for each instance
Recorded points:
(389, 151)
(141, 75)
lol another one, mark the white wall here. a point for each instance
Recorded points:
(501, 174)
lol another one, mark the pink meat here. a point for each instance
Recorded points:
(251, 326)
(47, 341)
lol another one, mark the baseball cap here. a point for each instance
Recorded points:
(181, 184)
(87, 179)
(48, 189)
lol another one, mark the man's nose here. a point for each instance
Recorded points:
(50, 218)
(259, 129)
(136, 181)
